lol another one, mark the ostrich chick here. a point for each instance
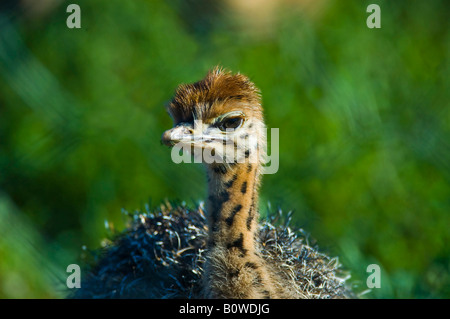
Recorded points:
(225, 110)
(222, 115)
(171, 253)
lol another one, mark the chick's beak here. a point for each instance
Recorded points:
(183, 133)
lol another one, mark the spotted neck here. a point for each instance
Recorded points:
(233, 206)
(234, 268)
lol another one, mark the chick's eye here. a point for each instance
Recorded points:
(231, 123)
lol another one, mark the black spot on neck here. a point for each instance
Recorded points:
(239, 244)
(249, 220)
(220, 169)
(230, 219)
(251, 212)
(231, 181)
(244, 188)
(217, 202)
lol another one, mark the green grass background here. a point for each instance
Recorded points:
(363, 114)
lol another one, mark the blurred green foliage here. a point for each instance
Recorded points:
(363, 114)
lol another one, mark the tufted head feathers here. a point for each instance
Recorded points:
(221, 114)
(218, 93)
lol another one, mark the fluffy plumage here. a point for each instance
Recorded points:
(162, 255)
